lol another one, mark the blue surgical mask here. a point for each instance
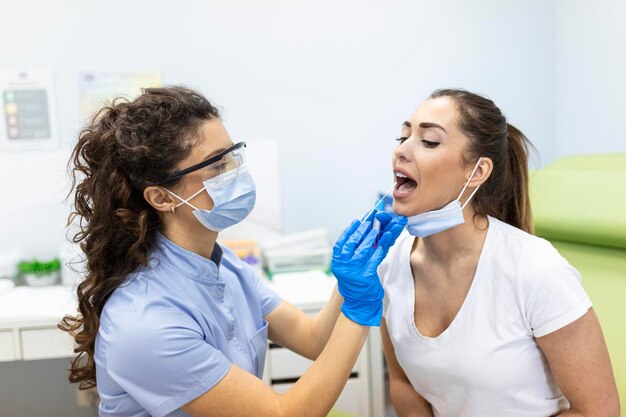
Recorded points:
(435, 221)
(233, 194)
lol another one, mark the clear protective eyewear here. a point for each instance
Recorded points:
(228, 160)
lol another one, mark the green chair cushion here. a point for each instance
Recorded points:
(598, 162)
(580, 206)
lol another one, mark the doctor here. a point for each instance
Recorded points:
(173, 324)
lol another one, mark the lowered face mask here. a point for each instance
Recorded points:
(435, 221)
(233, 194)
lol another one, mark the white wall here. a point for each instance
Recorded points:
(330, 81)
(590, 83)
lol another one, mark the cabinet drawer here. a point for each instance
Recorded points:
(7, 352)
(285, 364)
(351, 400)
(46, 344)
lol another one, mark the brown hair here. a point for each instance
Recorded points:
(505, 193)
(126, 147)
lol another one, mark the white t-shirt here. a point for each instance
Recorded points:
(487, 362)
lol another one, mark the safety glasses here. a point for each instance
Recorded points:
(227, 160)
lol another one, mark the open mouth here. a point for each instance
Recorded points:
(404, 184)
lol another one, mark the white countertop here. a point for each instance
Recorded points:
(42, 306)
(35, 305)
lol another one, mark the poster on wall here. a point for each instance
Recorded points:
(27, 119)
(99, 88)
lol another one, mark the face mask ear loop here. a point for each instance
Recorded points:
(467, 183)
(470, 197)
(182, 201)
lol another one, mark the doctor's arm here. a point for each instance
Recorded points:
(406, 401)
(241, 394)
(579, 360)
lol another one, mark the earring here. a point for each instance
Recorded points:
(173, 209)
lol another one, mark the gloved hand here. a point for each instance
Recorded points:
(356, 257)
(390, 223)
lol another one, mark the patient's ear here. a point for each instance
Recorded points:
(482, 173)
(159, 198)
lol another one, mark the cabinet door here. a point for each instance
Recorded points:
(46, 344)
(7, 351)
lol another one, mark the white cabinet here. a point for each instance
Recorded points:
(28, 323)
(34, 339)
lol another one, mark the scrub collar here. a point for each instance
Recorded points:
(191, 264)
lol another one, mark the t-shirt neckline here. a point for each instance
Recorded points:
(460, 315)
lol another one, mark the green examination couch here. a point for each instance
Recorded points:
(579, 205)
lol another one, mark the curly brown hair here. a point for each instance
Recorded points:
(127, 146)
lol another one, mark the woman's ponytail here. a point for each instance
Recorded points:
(518, 210)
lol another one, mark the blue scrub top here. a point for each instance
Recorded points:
(173, 329)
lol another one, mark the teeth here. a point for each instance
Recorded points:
(401, 175)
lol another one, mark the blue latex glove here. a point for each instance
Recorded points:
(356, 258)
(390, 223)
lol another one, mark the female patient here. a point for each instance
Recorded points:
(481, 317)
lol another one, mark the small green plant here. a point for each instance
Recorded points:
(39, 268)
